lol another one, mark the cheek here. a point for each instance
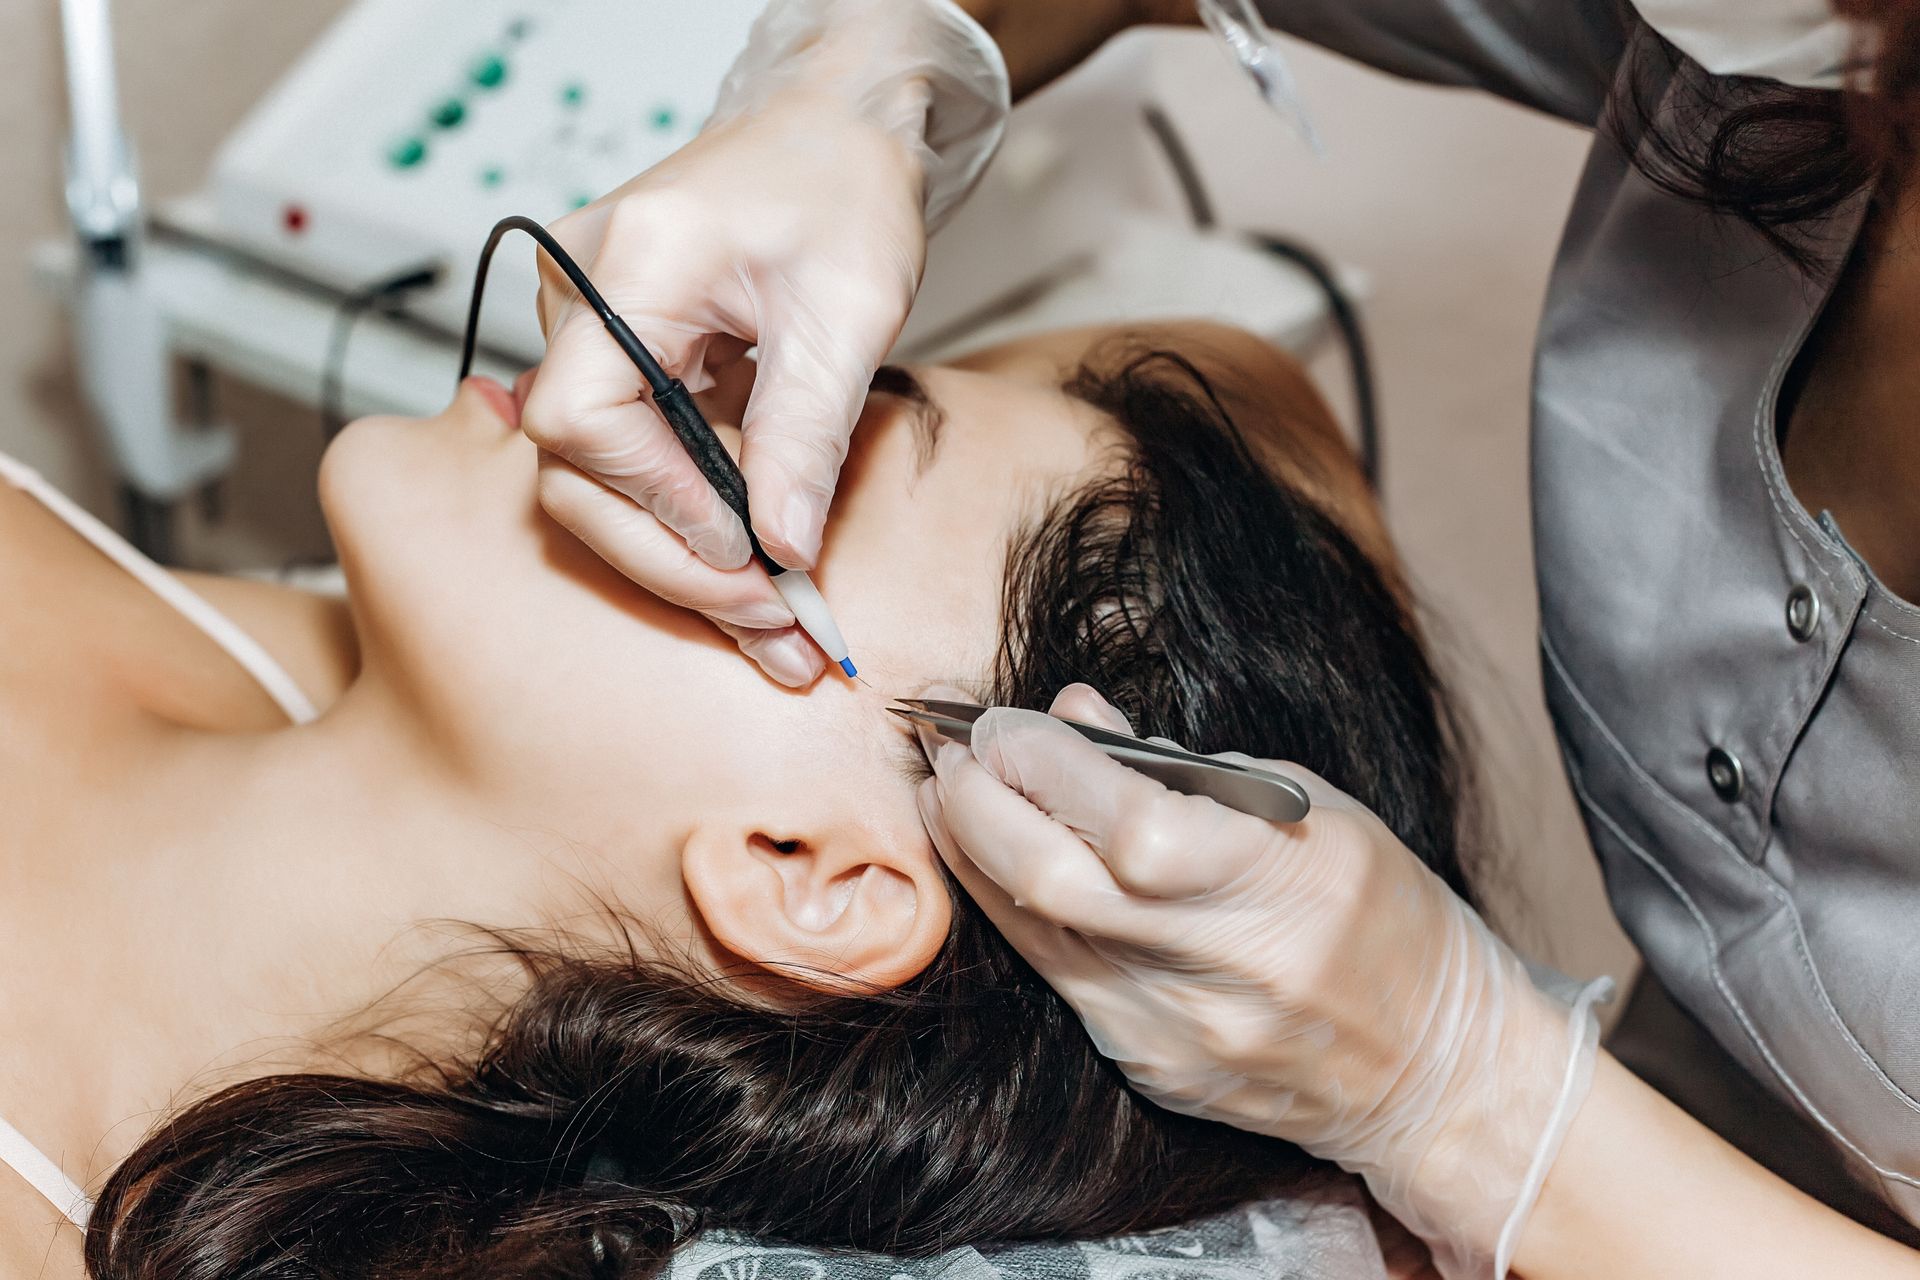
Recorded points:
(660, 732)
(425, 481)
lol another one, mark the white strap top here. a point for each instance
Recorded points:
(244, 649)
(16, 1153)
(44, 1176)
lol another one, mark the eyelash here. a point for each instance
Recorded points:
(915, 770)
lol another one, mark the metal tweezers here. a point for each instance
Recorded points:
(1252, 791)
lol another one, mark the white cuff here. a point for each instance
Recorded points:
(1583, 1043)
(972, 96)
(923, 70)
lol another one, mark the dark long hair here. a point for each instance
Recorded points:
(620, 1106)
(1781, 158)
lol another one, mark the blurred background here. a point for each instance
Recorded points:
(1439, 211)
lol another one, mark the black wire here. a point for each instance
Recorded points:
(1185, 172)
(657, 379)
(382, 295)
(1340, 303)
(1346, 318)
(278, 276)
(670, 395)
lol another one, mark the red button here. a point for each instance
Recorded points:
(294, 219)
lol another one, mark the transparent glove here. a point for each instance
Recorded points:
(1315, 982)
(796, 222)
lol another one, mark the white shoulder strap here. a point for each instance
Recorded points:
(43, 1175)
(244, 649)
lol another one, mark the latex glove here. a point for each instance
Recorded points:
(1314, 982)
(796, 221)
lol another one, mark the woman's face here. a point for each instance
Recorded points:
(725, 811)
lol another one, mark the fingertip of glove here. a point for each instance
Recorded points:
(793, 536)
(930, 743)
(787, 658)
(926, 798)
(999, 735)
(1087, 704)
(724, 545)
(947, 757)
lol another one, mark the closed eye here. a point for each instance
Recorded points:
(911, 763)
(924, 413)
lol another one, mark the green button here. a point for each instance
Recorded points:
(489, 71)
(407, 153)
(663, 118)
(581, 202)
(573, 95)
(450, 113)
(493, 177)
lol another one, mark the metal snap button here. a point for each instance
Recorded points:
(1724, 772)
(1803, 613)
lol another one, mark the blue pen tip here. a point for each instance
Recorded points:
(846, 665)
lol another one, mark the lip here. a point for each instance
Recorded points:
(498, 398)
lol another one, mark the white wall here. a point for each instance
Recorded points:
(1449, 201)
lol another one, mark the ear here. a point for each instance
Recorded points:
(843, 908)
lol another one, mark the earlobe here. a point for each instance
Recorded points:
(845, 909)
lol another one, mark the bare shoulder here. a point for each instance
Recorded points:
(81, 620)
(36, 1243)
(309, 634)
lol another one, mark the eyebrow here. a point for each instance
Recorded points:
(910, 763)
(923, 412)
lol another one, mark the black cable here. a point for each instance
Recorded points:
(1340, 303)
(382, 295)
(670, 395)
(280, 277)
(1192, 189)
(1346, 318)
(657, 380)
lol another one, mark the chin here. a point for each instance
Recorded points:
(428, 531)
(390, 473)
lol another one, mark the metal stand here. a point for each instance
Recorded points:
(120, 333)
(149, 524)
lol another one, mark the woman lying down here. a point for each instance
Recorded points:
(708, 973)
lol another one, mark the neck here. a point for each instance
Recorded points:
(262, 890)
(1850, 447)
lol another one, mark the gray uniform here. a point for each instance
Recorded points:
(1737, 697)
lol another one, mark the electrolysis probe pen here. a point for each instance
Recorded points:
(676, 405)
(795, 586)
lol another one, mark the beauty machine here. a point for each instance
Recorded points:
(330, 254)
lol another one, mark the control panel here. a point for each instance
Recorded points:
(413, 126)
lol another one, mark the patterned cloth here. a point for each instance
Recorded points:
(1325, 1237)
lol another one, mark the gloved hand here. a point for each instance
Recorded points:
(1315, 983)
(797, 220)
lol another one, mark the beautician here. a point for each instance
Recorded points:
(1726, 459)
